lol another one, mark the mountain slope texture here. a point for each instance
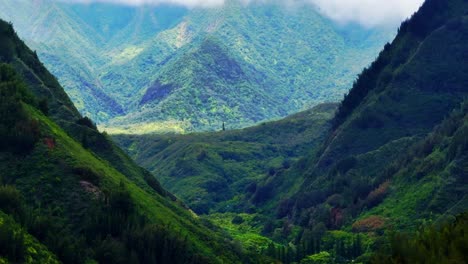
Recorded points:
(394, 156)
(165, 68)
(68, 194)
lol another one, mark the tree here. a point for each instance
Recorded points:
(446, 243)
(18, 132)
(86, 121)
(12, 243)
(11, 201)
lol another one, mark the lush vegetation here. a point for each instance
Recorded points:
(19, 133)
(394, 157)
(193, 69)
(359, 186)
(446, 243)
(68, 194)
(218, 172)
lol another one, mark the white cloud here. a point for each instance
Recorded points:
(368, 12)
(365, 12)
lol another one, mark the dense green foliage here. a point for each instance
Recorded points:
(17, 246)
(394, 157)
(168, 68)
(422, 91)
(40, 82)
(19, 133)
(69, 194)
(306, 189)
(430, 244)
(219, 171)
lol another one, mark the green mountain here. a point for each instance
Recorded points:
(76, 41)
(217, 172)
(394, 156)
(162, 68)
(68, 194)
(397, 101)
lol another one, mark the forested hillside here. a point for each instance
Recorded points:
(399, 99)
(167, 68)
(394, 157)
(380, 177)
(215, 171)
(68, 194)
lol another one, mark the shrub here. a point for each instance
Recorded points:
(369, 224)
(335, 200)
(154, 184)
(376, 196)
(319, 258)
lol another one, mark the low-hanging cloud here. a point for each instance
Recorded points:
(187, 3)
(369, 13)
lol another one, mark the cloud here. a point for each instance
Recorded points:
(369, 13)
(187, 3)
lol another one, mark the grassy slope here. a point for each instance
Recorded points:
(158, 209)
(218, 172)
(212, 171)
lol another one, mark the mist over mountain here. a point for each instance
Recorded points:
(367, 13)
(114, 59)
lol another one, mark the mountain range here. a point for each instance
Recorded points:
(379, 177)
(392, 155)
(165, 68)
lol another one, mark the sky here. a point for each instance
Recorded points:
(369, 13)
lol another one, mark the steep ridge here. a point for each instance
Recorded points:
(380, 164)
(69, 187)
(414, 89)
(199, 89)
(77, 40)
(60, 41)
